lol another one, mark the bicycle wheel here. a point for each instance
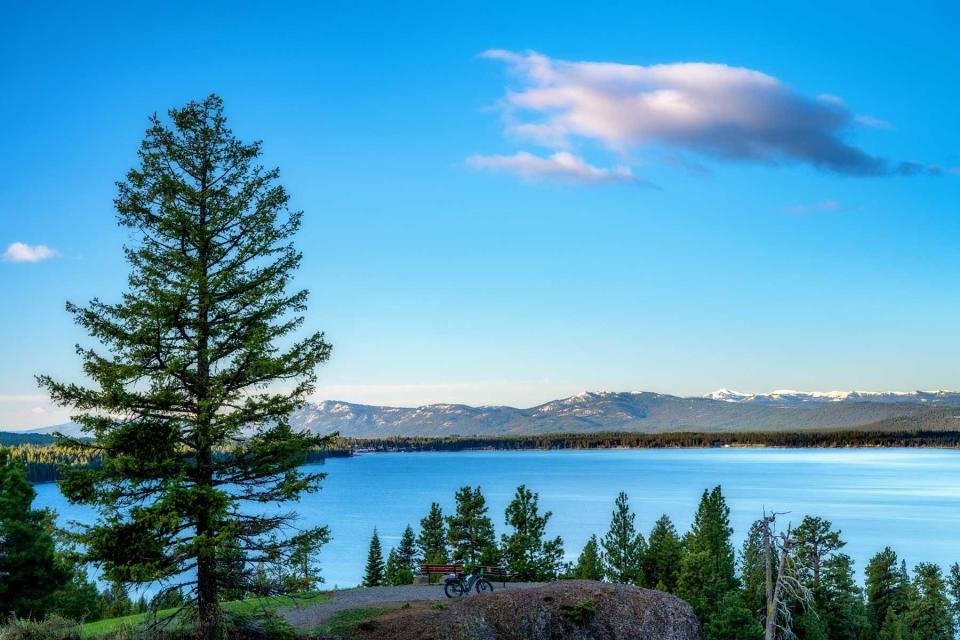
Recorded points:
(484, 586)
(453, 589)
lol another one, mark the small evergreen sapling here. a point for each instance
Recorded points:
(623, 546)
(590, 563)
(374, 572)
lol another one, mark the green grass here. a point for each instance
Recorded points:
(344, 623)
(241, 607)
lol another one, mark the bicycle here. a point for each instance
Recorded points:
(455, 585)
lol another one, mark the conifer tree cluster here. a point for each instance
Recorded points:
(467, 536)
(40, 572)
(31, 573)
(728, 591)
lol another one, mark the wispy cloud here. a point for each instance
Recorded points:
(14, 398)
(562, 165)
(475, 392)
(873, 123)
(713, 110)
(823, 205)
(911, 168)
(22, 252)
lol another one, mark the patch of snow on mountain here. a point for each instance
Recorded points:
(790, 396)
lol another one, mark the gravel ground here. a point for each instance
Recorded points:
(312, 615)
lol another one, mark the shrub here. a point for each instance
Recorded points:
(580, 613)
(52, 627)
(276, 627)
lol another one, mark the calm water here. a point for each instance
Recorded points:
(908, 499)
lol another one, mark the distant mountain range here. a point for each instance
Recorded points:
(646, 412)
(592, 412)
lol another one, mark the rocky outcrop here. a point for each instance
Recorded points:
(568, 610)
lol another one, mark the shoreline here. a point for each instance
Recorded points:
(843, 439)
(42, 466)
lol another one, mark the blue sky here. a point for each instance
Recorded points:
(515, 226)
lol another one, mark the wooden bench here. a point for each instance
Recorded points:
(500, 574)
(428, 571)
(440, 569)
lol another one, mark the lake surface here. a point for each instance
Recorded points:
(908, 499)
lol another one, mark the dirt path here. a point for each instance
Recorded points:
(313, 615)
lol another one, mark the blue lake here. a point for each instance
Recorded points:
(908, 499)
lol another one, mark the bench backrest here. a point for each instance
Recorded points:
(427, 569)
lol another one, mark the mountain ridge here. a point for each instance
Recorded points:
(646, 412)
(604, 411)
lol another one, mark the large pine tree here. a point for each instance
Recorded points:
(199, 368)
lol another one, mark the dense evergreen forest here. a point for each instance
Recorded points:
(845, 438)
(45, 462)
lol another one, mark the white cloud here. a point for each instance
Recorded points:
(715, 110)
(22, 252)
(874, 123)
(561, 165)
(38, 411)
(14, 398)
(824, 205)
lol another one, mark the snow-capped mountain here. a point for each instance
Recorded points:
(790, 397)
(593, 412)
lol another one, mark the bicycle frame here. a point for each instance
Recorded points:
(468, 582)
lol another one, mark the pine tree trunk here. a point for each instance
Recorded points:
(212, 625)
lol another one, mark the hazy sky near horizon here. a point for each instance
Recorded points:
(506, 204)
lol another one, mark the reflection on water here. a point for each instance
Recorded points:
(908, 499)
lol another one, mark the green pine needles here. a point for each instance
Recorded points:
(196, 372)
